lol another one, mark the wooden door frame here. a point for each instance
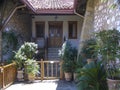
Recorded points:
(55, 23)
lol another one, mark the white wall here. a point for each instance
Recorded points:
(65, 19)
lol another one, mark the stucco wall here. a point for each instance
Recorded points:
(65, 19)
(106, 17)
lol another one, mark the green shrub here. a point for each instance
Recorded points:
(92, 77)
(88, 49)
(26, 52)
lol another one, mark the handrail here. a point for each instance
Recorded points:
(9, 65)
(49, 61)
(7, 75)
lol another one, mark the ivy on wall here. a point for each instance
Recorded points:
(11, 42)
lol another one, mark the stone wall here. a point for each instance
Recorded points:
(20, 23)
(105, 17)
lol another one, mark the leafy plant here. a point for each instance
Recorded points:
(26, 52)
(88, 49)
(108, 47)
(31, 67)
(79, 63)
(68, 54)
(92, 77)
(67, 66)
(9, 44)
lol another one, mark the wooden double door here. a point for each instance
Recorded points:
(55, 34)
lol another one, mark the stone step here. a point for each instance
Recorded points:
(53, 57)
(53, 54)
(53, 50)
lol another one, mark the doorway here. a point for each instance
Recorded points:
(55, 33)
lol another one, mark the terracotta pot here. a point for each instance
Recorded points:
(90, 60)
(68, 76)
(31, 77)
(75, 76)
(20, 75)
(113, 84)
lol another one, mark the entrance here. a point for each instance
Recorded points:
(55, 33)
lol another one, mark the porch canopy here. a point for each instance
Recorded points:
(51, 6)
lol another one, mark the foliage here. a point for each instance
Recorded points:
(115, 4)
(68, 54)
(31, 66)
(10, 43)
(92, 77)
(26, 52)
(108, 43)
(79, 63)
(113, 71)
(88, 49)
(67, 66)
(108, 47)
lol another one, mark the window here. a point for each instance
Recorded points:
(40, 26)
(72, 29)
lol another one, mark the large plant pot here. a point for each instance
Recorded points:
(113, 84)
(31, 77)
(90, 60)
(75, 76)
(68, 76)
(20, 76)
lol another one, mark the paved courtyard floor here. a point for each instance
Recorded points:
(44, 85)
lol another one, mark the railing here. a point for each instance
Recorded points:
(7, 75)
(50, 70)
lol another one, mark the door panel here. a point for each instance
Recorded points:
(55, 34)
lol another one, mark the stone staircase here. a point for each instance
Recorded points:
(53, 54)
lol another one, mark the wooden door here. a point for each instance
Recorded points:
(55, 34)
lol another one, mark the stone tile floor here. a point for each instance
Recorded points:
(44, 85)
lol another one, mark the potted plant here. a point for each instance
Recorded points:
(31, 68)
(25, 52)
(109, 49)
(92, 77)
(67, 68)
(88, 50)
(78, 64)
(68, 55)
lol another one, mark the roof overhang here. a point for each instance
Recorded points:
(51, 6)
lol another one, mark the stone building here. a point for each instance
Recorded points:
(83, 16)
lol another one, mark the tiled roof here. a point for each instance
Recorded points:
(51, 6)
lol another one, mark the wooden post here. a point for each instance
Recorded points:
(3, 78)
(61, 71)
(42, 69)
